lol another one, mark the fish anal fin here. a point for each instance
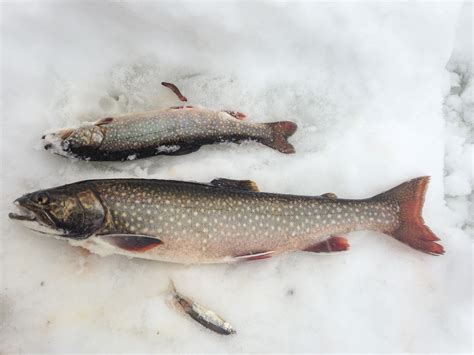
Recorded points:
(255, 256)
(104, 121)
(247, 185)
(133, 242)
(329, 245)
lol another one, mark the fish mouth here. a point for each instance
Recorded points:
(56, 143)
(34, 219)
(24, 213)
(22, 217)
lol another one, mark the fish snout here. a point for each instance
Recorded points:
(55, 142)
(22, 201)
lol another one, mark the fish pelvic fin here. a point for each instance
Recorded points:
(332, 244)
(279, 137)
(411, 229)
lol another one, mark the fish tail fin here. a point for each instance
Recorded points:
(279, 137)
(411, 228)
(171, 286)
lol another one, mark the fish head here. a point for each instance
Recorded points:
(71, 142)
(70, 211)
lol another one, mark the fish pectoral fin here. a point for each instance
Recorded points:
(329, 245)
(103, 121)
(331, 195)
(255, 256)
(132, 242)
(247, 185)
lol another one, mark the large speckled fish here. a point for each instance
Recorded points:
(223, 221)
(173, 131)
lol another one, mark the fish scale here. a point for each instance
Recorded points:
(175, 125)
(199, 221)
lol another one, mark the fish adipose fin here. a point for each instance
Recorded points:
(412, 230)
(247, 185)
(133, 242)
(329, 245)
(280, 133)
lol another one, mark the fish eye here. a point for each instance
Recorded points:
(42, 198)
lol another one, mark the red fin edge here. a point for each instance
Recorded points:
(412, 229)
(329, 245)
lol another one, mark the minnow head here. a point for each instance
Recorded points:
(71, 142)
(67, 211)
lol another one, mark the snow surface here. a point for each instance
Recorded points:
(365, 83)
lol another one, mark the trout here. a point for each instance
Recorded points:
(174, 131)
(223, 221)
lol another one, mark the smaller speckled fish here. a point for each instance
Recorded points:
(200, 314)
(173, 131)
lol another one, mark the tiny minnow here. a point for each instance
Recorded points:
(222, 221)
(173, 131)
(200, 314)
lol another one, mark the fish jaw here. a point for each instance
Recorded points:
(53, 143)
(30, 220)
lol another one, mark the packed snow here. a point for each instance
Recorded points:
(376, 104)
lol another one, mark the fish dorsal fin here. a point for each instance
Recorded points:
(103, 121)
(236, 114)
(247, 185)
(132, 242)
(330, 195)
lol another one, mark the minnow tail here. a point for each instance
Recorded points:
(280, 133)
(411, 229)
(171, 287)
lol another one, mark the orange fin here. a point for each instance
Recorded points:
(236, 114)
(175, 89)
(133, 242)
(280, 133)
(412, 230)
(255, 256)
(329, 245)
